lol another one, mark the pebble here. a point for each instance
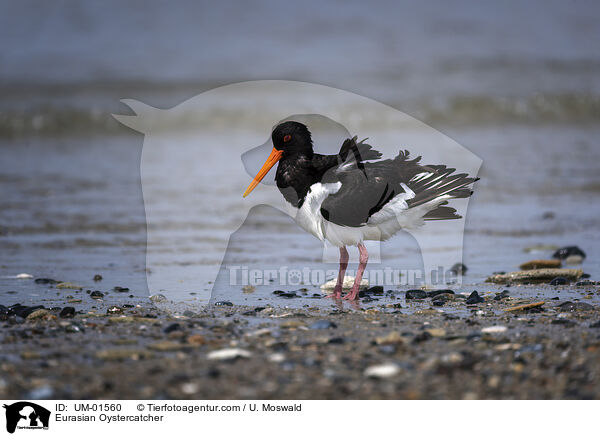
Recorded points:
(385, 370)
(123, 354)
(433, 294)
(248, 289)
(120, 289)
(68, 285)
(114, 310)
(440, 300)
(37, 314)
(158, 298)
(528, 306)
(375, 290)
(23, 276)
(228, 354)
(564, 322)
(494, 329)
(72, 328)
(558, 281)
(173, 328)
(167, 346)
(436, 333)
(569, 306)
(416, 294)
(97, 277)
(541, 263)
(97, 295)
(459, 269)
(574, 259)
(22, 311)
(501, 295)
(322, 324)
(474, 298)
(196, 340)
(571, 250)
(289, 295)
(67, 312)
(46, 281)
(276, 357)
(224, 303)
(390, 339)
(347, 284)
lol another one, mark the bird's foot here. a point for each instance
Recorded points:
(337, 293)
(352, 295)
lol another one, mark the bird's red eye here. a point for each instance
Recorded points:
(287, 138)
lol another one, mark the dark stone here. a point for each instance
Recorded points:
(368, 299)
(22, 311)
(548, 215)
(474, 298)
(596, 325)
(173, 328)
(416, 294)
(259, 309)
(559, 281)
(433, 294)
(501, 295)
(440, 300)
(97, 295)
(3, 310)
(585, 283)
(45, 281)
(459, 269)
(67, 312)
(564, 322)
(97, 277)
(375, 290)
(289, 295)
(337, 340)
(278, 292)
(223, 303)
(571, 250)
(120, 289)
(585, 276)
(569, 306)
(422, 337)
(322, 324)
(131, 306)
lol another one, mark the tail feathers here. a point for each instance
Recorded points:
(438, 183)
(442, 213)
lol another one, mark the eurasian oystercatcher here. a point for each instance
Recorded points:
(354, 196)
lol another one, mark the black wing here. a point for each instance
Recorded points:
(368, 187)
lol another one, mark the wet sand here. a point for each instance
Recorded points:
(391, 348)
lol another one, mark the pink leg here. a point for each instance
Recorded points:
(337, 292)
(364, 258)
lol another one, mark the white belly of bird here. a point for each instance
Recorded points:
(382, 225)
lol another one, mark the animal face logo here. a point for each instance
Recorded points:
(200, 156)
(26, 415)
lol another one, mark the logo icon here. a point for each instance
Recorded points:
(26, 415)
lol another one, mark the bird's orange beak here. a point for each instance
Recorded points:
(271, 160)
